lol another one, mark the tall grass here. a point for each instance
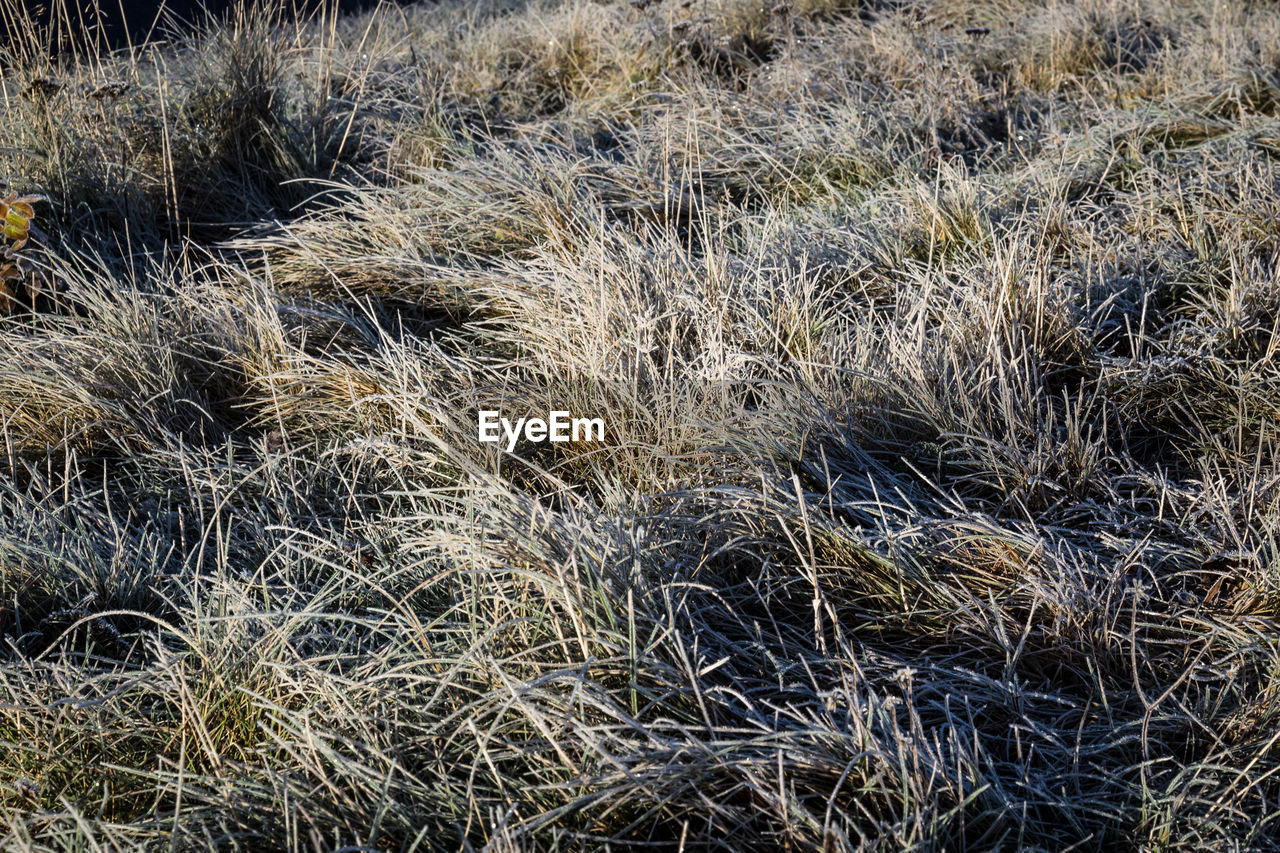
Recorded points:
(936, 346)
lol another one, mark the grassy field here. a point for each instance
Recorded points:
(937, 344)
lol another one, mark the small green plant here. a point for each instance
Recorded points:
(16, 213)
